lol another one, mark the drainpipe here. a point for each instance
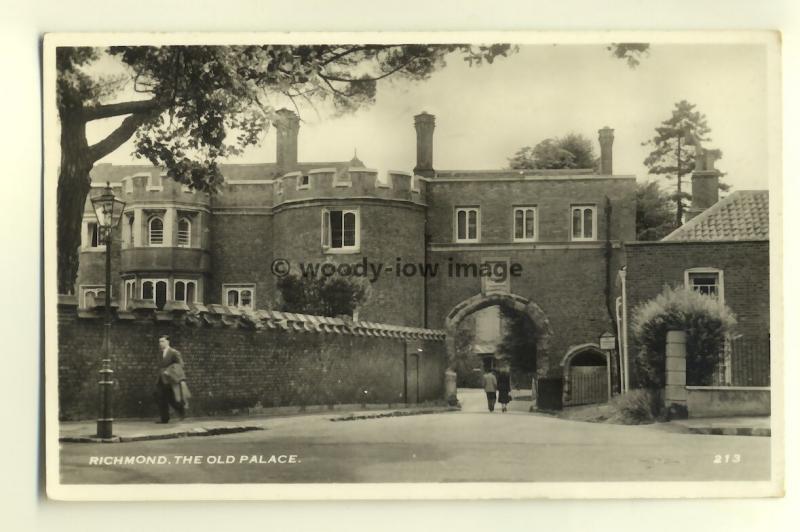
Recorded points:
(608, 253)
(624, 335)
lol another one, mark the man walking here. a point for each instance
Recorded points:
(490, 387)
(171, 386)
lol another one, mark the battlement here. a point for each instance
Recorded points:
(320, 184)
(154, 186)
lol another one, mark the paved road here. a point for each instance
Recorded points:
(471, 445)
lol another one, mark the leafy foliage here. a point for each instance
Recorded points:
(675, 144)
(706, 321)
(571, 151)
(466, 377)
(631, 52)
(519, 342)
(331, 296)
(654, 218)
(637, 407)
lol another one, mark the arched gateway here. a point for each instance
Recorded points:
(510, 301)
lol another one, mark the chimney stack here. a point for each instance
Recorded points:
(424, 123)
(705, 182)
(606, 138)
(287, 125)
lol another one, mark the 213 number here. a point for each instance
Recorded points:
(727, 458)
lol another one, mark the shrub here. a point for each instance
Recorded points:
(323, 295)
(707, 323)
(637, 407)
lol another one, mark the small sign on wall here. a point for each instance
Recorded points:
(608, 342)
(495, 277)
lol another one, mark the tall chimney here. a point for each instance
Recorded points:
(287, 124)
(424, 123)
(705, 181)
(606, 138)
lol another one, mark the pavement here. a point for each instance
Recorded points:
(726, 426)
(470, 445)
(130, 430)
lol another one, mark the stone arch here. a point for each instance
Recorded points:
(513, 301)
(566, 366)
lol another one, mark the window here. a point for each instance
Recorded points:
(467, 224)
(92, 296)
(130, 292)
(155, 290)
(584, 222)
(93, 236)
(184, 233)
(131, 219)
(303, 181)
(185, 291)
(524, 224)
(155, 231)
(240, 295)
(154, 182)
(279, 186)
(707, 281)
(340, 230)
(128, 184)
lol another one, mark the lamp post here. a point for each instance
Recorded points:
(108, 210)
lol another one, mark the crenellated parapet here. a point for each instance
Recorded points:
(198, 315)
(321, 184)
(155, 187)
(353, 182)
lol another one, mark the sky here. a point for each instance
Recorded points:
(485, 114)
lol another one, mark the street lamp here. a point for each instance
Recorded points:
(108, 210)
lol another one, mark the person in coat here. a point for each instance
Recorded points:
(504, 388)
(171, 389)
(490, 387)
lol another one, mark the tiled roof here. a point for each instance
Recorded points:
(115, 173)
(743, 215)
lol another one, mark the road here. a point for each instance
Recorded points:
(471, 445)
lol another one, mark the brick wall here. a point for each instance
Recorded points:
(230, 367)
(388, 230)
(552, 197)
(567, 284)
(241, 252)
(745, 266)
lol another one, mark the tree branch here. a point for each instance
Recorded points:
(117, 109)
(119, 136)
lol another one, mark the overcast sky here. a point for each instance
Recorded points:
(484, 114)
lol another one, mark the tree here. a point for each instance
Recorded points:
(571, 151)
(654, 218)
(196, 105)
(323, 295)
(674, 147)
(519, 340)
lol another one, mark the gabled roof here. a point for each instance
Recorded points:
(743, 215)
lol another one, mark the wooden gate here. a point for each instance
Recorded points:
(588, 384)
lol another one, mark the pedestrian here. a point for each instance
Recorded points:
(490, 387)
(504, 387)
(171, 388)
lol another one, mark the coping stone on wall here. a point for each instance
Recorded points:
(215, 315)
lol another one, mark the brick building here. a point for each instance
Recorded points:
(722, 251)
(552, 240)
